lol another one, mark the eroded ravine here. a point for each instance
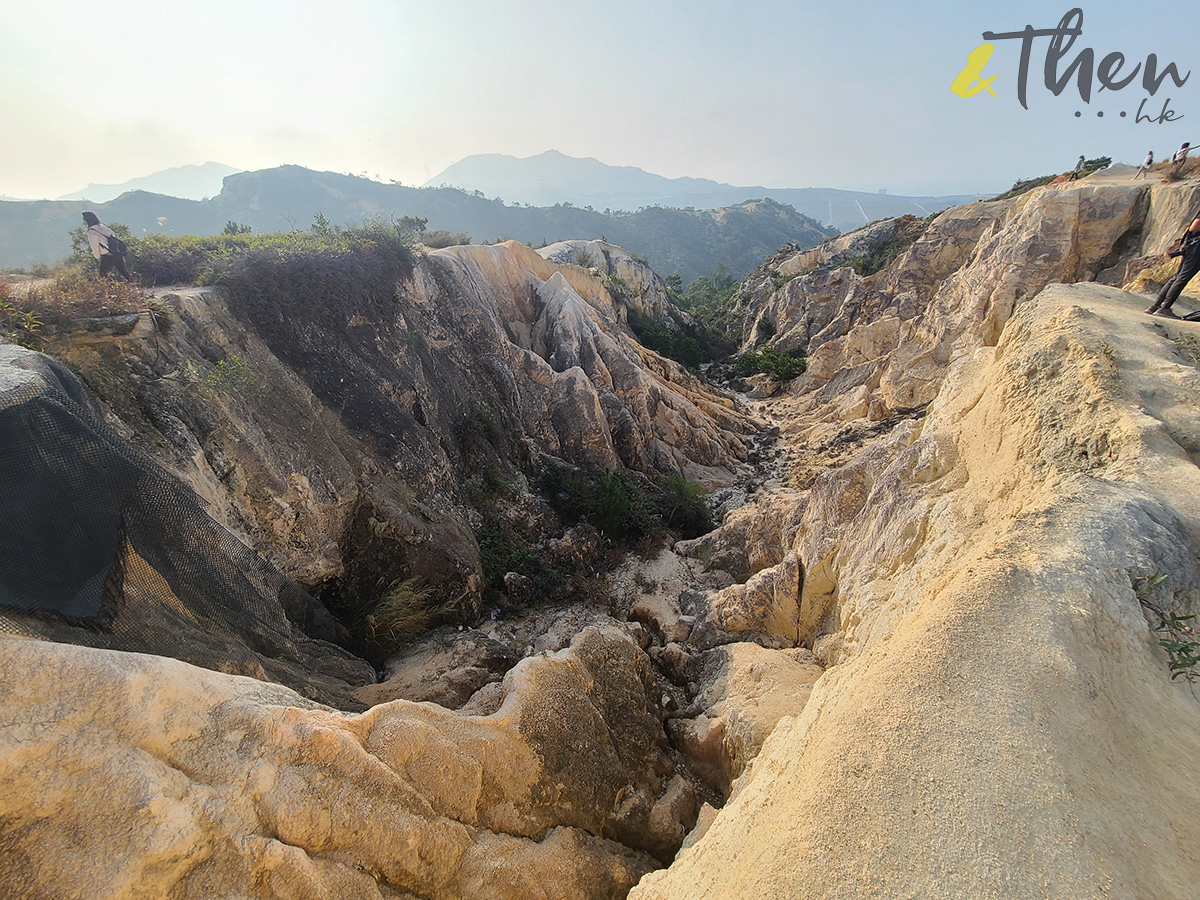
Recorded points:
(931, 643)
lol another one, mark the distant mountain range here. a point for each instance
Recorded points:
(553, 177)
(188, 182)
(690, 242)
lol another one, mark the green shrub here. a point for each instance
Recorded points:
(326, 257)
(768, 361)
(778, 279)
(1028, 184)
(436, 240)
(1022, 186)
(625, 507)
(21, 327)
(682, 506)
(1178, 638)
(503, 549)
(683, 344)
(909, 229)
(233, 372)
(710, 300)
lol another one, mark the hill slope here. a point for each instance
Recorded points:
(286, 198)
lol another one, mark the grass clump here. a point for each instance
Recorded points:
(75, 294)
(768, 361)
(1178, 638)
(19, 326)
(402, 612)
(1176, 171)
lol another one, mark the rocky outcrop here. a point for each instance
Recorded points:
(627, 278)
(986, 585)
(881, 344)
(104, 548)
(342, 442)
(583, 390)
(214, 785)
(743, 691)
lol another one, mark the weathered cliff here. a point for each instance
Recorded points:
(999, 718)
(343, 440)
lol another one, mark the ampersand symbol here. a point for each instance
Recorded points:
(969, 83)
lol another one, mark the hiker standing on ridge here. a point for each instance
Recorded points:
(1180, 156)
(1189, 265)
(1146, 164)
(106, 247)
(1078, 168)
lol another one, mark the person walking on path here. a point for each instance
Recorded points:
(1146, 164)
(1180, 156)
(1189, 265)
(1078, 168)
(106, 247)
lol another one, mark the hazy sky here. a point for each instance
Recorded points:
(849, 94)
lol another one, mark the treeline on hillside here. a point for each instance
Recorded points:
(692, 343)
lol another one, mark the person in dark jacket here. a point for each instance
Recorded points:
(1189, 265)
(98, 238)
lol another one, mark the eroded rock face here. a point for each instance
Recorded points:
(636, 286)
(341, 443)
(997, 690)
(937, 646)
(743, 691)
(104, 548)
(583, 389)
(880, 345)
(218, 785)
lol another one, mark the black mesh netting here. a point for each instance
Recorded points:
(102, 547)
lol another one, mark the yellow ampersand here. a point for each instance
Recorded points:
(968, 83)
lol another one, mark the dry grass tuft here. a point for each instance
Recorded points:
(403, 612)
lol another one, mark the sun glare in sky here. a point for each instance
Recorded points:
(783, 94)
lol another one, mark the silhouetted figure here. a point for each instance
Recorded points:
(1189, 265)
(111, 257)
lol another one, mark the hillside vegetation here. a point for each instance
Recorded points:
(290, 198)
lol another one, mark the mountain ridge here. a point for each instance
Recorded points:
(191, 182)
(553, 176)
(691, 242)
